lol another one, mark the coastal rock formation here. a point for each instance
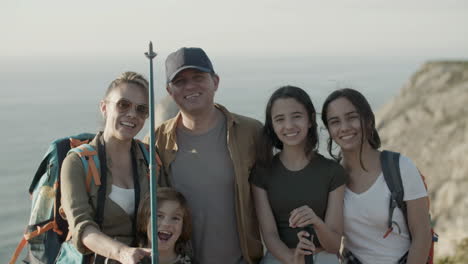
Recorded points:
(165, 109)
(428, 122)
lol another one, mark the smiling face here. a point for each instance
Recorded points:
(170, 223)
(123, 125)
(344, 124)
(193, 90)
(290, 121)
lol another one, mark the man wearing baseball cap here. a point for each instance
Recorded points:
(207, 153)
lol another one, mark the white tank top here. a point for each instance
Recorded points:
(125, 198)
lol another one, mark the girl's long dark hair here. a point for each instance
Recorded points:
(366, 117)
(269, 140)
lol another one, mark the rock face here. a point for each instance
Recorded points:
(428, 122)
(166, 109)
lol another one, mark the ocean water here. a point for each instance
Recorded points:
(45, 98)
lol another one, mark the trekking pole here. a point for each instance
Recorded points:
(153, 184)
(309, 259)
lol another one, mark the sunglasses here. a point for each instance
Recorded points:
(123, 105)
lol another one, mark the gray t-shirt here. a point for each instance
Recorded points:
(203, 172)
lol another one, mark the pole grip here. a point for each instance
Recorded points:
(309, 259)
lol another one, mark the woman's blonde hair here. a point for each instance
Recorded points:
(129, 77)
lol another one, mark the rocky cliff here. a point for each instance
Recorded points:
(428, 122)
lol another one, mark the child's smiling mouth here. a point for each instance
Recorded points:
(164, 235)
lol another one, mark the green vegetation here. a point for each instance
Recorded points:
(460, 257)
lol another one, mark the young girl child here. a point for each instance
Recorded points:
(297, 187)
(351, 125)
(174, 226)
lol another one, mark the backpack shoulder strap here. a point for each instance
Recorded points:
(390, 162)
(101, 156)
(90, 160)
(145, 150)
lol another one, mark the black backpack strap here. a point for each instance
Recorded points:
(136, 184)
(349, 257)
(102, 189)
(390, 162)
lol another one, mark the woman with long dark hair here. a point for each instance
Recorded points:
(298, 193)
(351, 124)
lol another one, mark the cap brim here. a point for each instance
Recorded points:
(203, 69)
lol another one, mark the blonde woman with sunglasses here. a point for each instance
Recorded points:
(125, 110)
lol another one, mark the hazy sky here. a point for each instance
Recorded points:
(433, 29)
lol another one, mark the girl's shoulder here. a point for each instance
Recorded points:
(406, 162)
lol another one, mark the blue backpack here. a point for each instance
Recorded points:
(47, 228)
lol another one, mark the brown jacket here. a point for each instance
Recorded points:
(242, 133)
(80, 206)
